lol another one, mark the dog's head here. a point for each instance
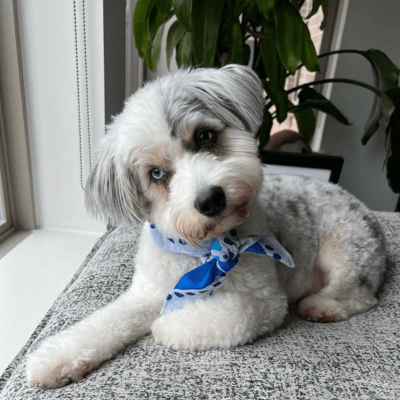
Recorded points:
(183, 154)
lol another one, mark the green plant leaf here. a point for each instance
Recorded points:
(264, 132)
(206, 21)
(310, 98)
(164, 6)
(148, 29)
(386, 76)
(273, 67)
(175, 35)
(315, 7)
(141, 26)
(293, 38)
(236, 52)
(289, 34)
(157, 19)
(252, 16)
(381, 111)
(296, 3)
(387, 72)
(154, 50)
(393, 142)
(183, 12)
(308, 52)
(306, 122)
(184, 50)
(279, 98)
(266, 7)
(240, 7)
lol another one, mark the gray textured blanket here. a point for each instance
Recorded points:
(354, 359)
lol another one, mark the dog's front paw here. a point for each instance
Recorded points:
(52, 365)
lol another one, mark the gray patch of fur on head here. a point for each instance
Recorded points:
(232, 94)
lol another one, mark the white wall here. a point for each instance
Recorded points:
(369, 24)
(48, 55)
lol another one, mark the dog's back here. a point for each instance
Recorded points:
(336, 242)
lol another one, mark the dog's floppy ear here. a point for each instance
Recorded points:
(113, 191)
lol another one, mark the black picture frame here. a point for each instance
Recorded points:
(305, 160)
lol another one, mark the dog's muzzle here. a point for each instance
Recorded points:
(211, 202)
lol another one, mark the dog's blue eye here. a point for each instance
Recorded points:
(157, 173)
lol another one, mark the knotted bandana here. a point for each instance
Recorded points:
(219, 256)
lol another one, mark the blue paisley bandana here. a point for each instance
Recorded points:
(218, 256)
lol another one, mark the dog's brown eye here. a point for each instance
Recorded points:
(204, 139)
(208, 136)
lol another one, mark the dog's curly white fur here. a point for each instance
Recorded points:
(177, 139)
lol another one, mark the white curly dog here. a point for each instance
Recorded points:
(182, 155)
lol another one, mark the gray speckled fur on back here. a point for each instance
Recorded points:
(301, 212)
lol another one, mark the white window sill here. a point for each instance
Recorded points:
(37, 267)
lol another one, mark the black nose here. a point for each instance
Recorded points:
(211, 202)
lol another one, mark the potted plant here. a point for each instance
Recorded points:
(213, 33)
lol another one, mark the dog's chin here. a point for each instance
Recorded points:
(212, 228)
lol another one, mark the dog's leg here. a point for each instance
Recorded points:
(81, 348)
(351, 264)
(224, 320)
